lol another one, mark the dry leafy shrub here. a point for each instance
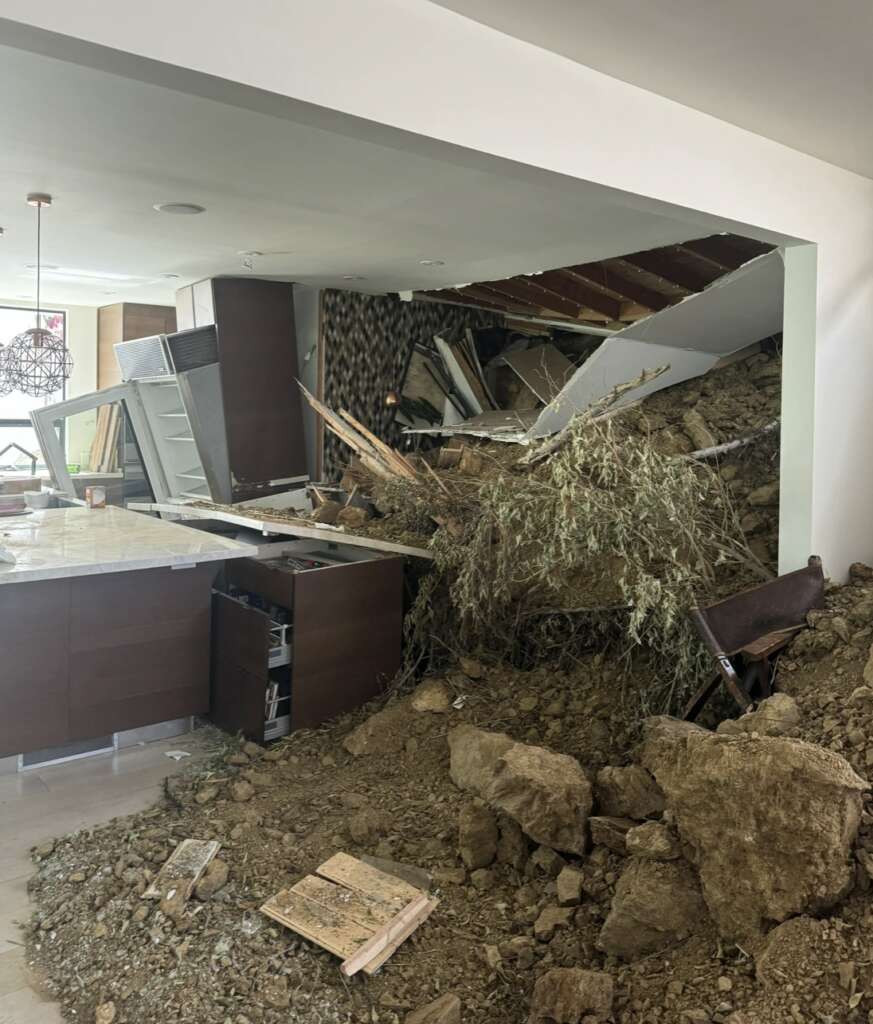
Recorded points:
(604, 541)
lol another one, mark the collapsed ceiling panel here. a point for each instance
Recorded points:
(687, 335)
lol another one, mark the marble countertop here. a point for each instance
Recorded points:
(57, 543)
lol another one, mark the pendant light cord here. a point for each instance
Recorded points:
(38, 257)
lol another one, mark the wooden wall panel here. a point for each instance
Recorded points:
(348, 625)
(126, 321)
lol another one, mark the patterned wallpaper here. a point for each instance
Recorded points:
(367, 339)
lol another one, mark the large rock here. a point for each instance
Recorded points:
(445, 1010)
(652, 840)
(473, 757)
(774, 716)
(382, 733)
(768, 821)
(432, 696)
(798, 946)
(477, 836)
(629, 792)
(548, 794)
(570, 995)
(655, 905)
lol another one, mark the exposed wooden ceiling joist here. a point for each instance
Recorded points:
(657, 261)
(628, 289)
(563, 284)
(725, 251)
(520, 289)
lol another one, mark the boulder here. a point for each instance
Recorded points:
(548, 794)
(774, 716)
(445, 1010)
(662, 735)
(652, 840)
(766, 495)
(477, 836)
(629, 792)
(768, 821)
(610, 832)
(471, 668)
(473, 757)
(570, 995)
(656, 904)
(382, 733)
(696, 428)
(367, 825)
(327, 512)
(432, 696)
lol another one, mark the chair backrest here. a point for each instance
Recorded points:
(781, 604)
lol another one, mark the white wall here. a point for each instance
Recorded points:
(425, 70)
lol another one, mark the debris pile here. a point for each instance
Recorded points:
(585, 870)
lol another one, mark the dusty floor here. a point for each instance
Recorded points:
(40, 804)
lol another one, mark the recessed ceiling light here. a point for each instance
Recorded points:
(432, 263)
(353, 277)
(169, 277)
(249, 252)
(180, 208)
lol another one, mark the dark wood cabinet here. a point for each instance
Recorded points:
(256, 349)
(344, 629)
(92, 655)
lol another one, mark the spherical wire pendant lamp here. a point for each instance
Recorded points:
(36, 362)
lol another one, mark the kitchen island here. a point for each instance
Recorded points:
(104, 624)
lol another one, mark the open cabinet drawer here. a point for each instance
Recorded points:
(248, 647)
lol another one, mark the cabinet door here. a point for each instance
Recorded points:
(348, 624)
(204, 309)
(34, 697)
(240, 667)
(139, 648)
(185, 309)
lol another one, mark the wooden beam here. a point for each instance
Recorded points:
(487, 294)
(520, 289)
(458, 298)
(660, 263)
(566, 286)
(626, 287)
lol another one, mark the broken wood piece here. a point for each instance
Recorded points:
(355, 874)
(353, 910)
(403, 924)
(385, 451)
(183, 868)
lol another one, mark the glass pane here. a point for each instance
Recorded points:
(13, 460)
(101, 451)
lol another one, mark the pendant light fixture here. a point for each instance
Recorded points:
(37, 362)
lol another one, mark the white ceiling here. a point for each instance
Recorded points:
(327, 202)
(797, 71)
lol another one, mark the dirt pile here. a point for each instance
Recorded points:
(523, 930)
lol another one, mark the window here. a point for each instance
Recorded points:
(15, 425)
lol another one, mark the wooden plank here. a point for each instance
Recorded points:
(543, 369)
(521, 288)
(184, 868)
(572, 288)
(360, 877)
(391, 948)
(663, 264)
(331, 930)
(625, 287)
(367, 911)
(403, 924)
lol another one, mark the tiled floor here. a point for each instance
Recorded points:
(41, 804)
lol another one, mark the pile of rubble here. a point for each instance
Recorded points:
(587, 869)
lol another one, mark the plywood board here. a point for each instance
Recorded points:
(366, 910)
(333, 931)
(360, 877)
(184, 868)
(543, 369)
